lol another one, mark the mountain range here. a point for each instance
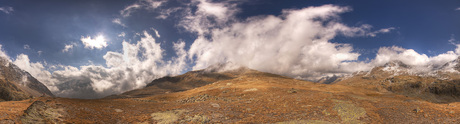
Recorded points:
(228, 93)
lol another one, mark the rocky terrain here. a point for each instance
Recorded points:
(441, 85)
(248, 96)
(17, 84)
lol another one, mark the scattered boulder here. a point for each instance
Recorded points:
(292, 90)
(417, 110)
(215, 105)
(118, 110)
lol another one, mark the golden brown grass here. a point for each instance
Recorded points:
(256, 97)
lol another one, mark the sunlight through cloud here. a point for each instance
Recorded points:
(99, 42)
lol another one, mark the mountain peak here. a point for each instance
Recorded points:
(452, 66)
(396, 67)
(396, 64)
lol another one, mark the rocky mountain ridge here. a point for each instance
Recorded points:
(439, 85)
(17, 84)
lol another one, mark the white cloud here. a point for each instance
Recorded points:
(125, 70)
(165, 13)
(208, 15)
(381, 31)
(407, 56)
(179, 63)
(122, 34)
(68, 47)
(452, 40)
(39, 52)
(36, 69)
(27, 47)
(127, 11)
(138, 64)
(156, 32)
(118, 21)
(421, 63)
(295, 44)
(99, 42)
(3, 53)
(6, 9)
(219, 10)
(147, 4)
(458, 9)
(154, 3)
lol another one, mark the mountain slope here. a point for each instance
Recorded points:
(187, 81)
(249, 97)
(17, 84)
(435, 86)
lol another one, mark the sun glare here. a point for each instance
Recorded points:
(99, 42)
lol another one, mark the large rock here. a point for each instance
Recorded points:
(39, 112)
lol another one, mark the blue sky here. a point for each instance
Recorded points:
(193, 34)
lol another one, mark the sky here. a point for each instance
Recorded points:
(94, 48)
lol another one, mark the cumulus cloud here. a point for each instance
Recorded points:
(147, 4)
(138, 64)
(98, 42)
(36, 69)
(68, 47)
(421, 63)
(6, 9)
(296, 43)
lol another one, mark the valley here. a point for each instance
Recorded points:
(245, 96)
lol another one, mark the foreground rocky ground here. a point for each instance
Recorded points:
(253, 97)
